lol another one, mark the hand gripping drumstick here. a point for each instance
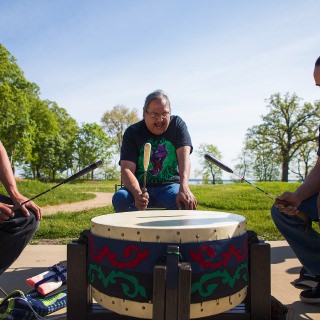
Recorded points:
(302, 215)
(82, 172)
(146, 160)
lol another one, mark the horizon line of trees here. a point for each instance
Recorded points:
(285, 143)
(47, 143)
(42, 138)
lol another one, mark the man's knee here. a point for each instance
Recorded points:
(278, 217)
(122, 200)
(34, 223)
(29, 224)
(274, 212)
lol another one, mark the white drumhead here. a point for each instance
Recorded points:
(176, 226)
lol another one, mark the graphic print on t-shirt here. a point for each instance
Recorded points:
(163, 162)
(157, 159)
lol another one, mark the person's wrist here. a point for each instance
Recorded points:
(15, 195)
(298, 196)
(184, 187)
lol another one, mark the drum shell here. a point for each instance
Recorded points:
(123, 251)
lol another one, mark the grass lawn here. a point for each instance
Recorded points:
(239, 198)
(243, 199)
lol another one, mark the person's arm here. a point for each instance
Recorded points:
(185, 196)
(6, 174)
(289, 202)
(8, 180)
(131, 183)
(311, 185)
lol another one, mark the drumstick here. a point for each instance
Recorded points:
(82, 172)
(302, 215)
(146, 160)
(227, 169)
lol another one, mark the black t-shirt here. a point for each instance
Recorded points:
(163, 167)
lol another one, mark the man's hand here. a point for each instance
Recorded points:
(141, 201)
(186, 200)
(29, 205)
(288, 203)
(6, 212)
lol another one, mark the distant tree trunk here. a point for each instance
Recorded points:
(285, 170)
(38, 173)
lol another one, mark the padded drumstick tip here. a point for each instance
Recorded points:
(217, 163)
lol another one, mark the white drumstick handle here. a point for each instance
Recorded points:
(146, 156)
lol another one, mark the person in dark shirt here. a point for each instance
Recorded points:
(306, 245)
(16, 227)
(167, 183)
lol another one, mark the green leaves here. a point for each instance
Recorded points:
(209, 170)
(282, 137)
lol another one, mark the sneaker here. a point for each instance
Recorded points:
(305, 283)
(305, 280)
(311, 295)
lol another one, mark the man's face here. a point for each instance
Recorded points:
(316, 75)
(157, 116)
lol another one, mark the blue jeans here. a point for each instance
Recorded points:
(305, 244)
(159, 197)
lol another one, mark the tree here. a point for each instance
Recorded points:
(208, 168)
(53, 158)
(53, 134)
(304, 161)
(264, 167)
(91, 144)
(244, 162)
(116, 121)
(16, 97)
(285, 129)
(44, 127)
(68, 129)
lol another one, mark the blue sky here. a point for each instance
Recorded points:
(217, 60)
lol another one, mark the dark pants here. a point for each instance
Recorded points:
(15, 234)
(159, 197)
(306, 245)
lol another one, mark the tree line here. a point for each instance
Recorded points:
(284, 144)
(47, 143)
(42, 138)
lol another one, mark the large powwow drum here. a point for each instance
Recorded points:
(123, 249)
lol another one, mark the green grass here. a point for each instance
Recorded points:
(67, 226)
(239, 198)
(65, 193)
(243, 199)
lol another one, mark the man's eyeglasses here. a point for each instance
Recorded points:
(155, 115)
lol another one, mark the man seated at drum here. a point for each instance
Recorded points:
(16, 228)
(306, 245)
(169, 169)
